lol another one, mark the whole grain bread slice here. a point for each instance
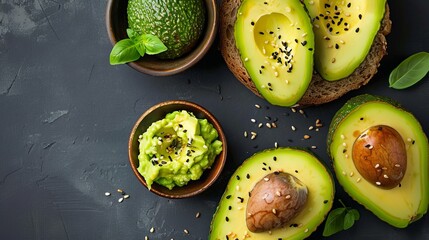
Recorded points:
(319, 91)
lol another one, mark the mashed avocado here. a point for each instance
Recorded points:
(177, 149)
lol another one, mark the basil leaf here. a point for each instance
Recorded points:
(410, 71)
(140, 48)
(124, 51)
(334, 222)
(355, 213)
(132, 34)
(349, 220)
(153, 44)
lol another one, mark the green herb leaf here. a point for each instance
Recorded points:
(349, 220)
(124, 51)
(153, 44)
(410, 71)
(132, 34)
(355, 213)
(334, 222)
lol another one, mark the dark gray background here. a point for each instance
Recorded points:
(65, 117)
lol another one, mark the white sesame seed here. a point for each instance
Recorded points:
(237, 188)
(107, 194)
(301, 111)
(370, 147)
(146, 238)
(276, 145)
(397, 165)
(378, 183)
(257, 106)
(343, 137)
(274, 125)
(385, 176)
(293, 128)
(287, 81)
(253, 120)
(260, 125)
(246, 59)
(342, 41)
(120, 200)
(266, 179)
(186, 231)
(310, 128)
(344, 144)
(351, 174)
(274, 211)
(409, 140)
(120, 190)
(293, 110)
(276, 74)
(306, 230)
(152, 229)
(198, 215)
(278, 193)
(358, 179)
(313, 147)
(377, 165)
(304, 34)
(268, 125)
(245, 134)
(288, 196)
(307, 136)
(126, 196)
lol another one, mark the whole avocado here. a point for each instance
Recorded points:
(178, 24)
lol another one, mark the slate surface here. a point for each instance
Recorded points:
(65, 117)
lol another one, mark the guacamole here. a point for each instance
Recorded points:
(177, 149)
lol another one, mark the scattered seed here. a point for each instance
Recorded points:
(278, 193)
(351, 174)
(333, 60)
(246, 59)
(377, 165)
(397, 165)
(358, 179)
(313, 147)
(152, 230)
(293, 128)
(253, 120)
(120, 200)
(288, 196)
(146, 238)
(306, 136)
(106, 194)
(257, 106)
(126, 196)
(344, 173)
(378, 183)
(274, 125)
(268, 125)
(197, 215)
(245, 134)
(310, 128)
(120, 191)
(385, 176)
(293, 110)
(260, 125)
(266, 179)
(306, 230)
(276, 145)
(342, 136)
(186, 231)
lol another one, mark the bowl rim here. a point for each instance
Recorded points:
(219, 161)
(192, 57)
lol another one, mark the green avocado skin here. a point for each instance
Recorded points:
(179, 24)
(350, 106)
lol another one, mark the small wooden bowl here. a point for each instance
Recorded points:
(158, 112)
(117, 23)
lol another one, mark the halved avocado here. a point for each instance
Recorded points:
(276, 44)
(344, 32)
(398, 204)
(229, 221)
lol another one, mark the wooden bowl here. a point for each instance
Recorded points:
(117, 23)
(158, 112)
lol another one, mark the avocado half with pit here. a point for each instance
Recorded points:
(380, 156)
(282, 193)
(276, 45)
(344, 32)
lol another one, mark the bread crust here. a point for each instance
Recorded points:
(319, 91)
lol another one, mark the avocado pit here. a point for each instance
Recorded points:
(274, 201)
(380, 156)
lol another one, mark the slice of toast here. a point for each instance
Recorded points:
(319, 91)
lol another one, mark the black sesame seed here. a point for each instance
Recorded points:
(228, 197)
(271, 32)
(262, 33)
(248, 176)
(344, 150)
(252, 23)
(280, 36)
(260, 72)
(265, 169)
(275, 158)
(241, 199)
(310, 49)
(264, 164)
(229, 207)
(296, 171)
(327, 5)
(360, 16)
(227, 219)
(412, 142)
(269, 168)
(304, 43)
(238, 177)
(357, 30)
(349, 5)
(361, 118)
(337, 46)
(346, 29)
(325, 202)
(296, 40)
(266, 3)
(262, 66)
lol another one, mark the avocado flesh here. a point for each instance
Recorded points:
(276, 43)
(178, 24)
(344, 32)
(398, 206)
(301, 164)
